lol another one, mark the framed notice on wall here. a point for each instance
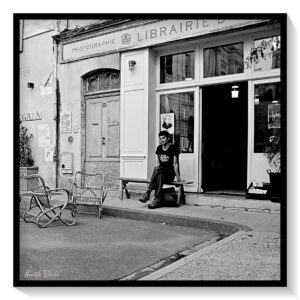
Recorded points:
(66, 122)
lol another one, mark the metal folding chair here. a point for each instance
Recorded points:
(48, 205)
(88, 189)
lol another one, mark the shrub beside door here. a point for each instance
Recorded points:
(25, 157)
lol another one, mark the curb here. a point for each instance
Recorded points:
(227, 228)
(175, 220)
(170, 268)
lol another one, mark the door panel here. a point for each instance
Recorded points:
(93, 129)
(113, 130)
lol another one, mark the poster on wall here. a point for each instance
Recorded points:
(274, 116)
(66, 163)
(66, 122)
(49, 151)
(167, 122)
(44, 135)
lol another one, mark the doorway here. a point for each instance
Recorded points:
(102, 135)
(224, 139)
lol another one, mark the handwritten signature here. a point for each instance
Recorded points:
(40, 274)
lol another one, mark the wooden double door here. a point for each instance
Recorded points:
(102, 132)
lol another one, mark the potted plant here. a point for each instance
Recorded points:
(273, 155)
(25, 156)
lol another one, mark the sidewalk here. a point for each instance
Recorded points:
(251, 253)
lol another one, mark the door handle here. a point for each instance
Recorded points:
(103, 141)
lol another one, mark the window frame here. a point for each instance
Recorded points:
(177, 53)
(252, 96)
(177, 84)
(198, 45)
(196, 112)
(222, 45)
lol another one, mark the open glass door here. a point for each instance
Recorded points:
(179, 115)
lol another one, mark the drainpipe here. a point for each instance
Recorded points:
(57, 123)
(56, 112)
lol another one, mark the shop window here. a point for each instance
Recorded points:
(224, 60)
(268, 53)
(177, 116)
(267, 114)
(177, 67)
(104, 80)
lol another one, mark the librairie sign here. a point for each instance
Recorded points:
(146, 35)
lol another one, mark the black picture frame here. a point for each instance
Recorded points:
(18, 46)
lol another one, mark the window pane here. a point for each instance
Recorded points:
(177, 67)
(180, 108)
(269, 54)
(224, 60)
(267, 114)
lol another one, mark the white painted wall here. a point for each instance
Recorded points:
(134, 114)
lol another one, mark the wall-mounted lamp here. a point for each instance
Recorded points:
(30, 85)
(131, 65)
(235, 91)
(256, 99)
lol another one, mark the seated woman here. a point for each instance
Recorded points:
(165, 171)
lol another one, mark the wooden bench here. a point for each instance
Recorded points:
(179, 184)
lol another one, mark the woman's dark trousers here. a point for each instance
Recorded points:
(160, 177)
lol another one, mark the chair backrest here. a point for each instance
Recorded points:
(89, 179)
(38, 188)
(88, 185)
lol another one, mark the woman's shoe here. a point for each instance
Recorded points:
(154, 204)
(145, 198)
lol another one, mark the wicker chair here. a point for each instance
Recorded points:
(88, 189)
(49, 203)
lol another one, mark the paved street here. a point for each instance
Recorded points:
(132, 242)
(105, 249)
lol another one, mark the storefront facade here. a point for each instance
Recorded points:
(120, 84)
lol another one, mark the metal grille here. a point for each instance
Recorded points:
(103, 81)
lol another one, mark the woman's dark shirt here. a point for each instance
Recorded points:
(166, 157)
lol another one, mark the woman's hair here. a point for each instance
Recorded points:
(165, 133)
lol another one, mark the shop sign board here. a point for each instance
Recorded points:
(147, 35)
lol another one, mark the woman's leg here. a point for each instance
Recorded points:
(152, 186)
(162, 177)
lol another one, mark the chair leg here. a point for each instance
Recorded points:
(33, 204)
(100, 211)
(58, 215)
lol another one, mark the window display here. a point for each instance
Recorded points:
(267, 114)
(177, 116)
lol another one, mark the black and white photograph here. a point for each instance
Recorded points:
(150, 149)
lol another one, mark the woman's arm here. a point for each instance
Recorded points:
(157, 161)
(176, 168)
